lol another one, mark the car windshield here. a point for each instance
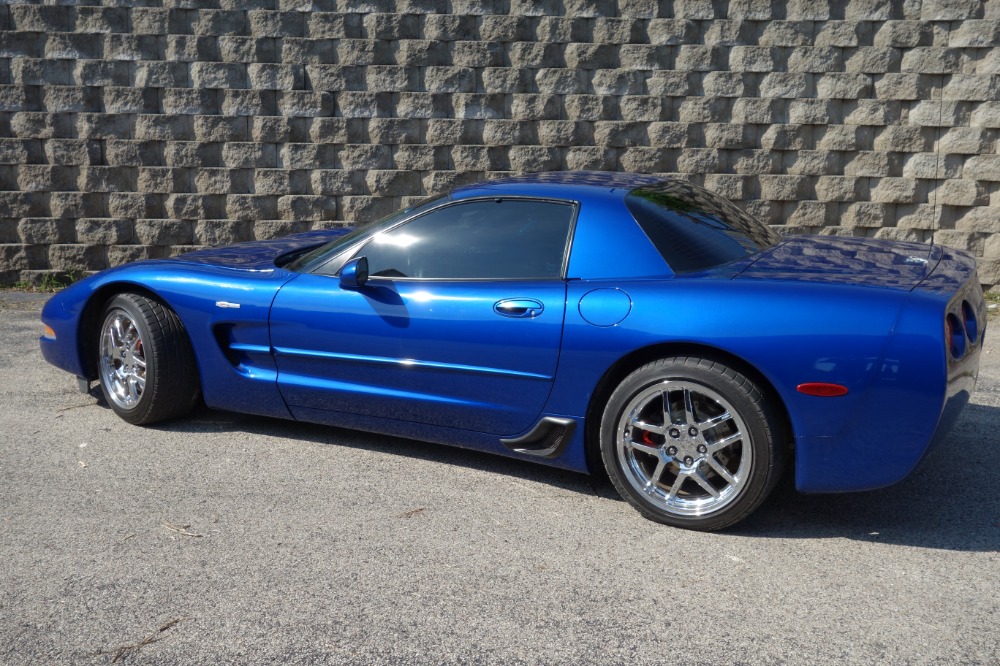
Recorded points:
(323, 253)
(694, 229)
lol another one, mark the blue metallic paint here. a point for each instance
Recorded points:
(429, 351)
(434, 360)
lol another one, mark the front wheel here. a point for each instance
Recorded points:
(145, 361)
(692, 443)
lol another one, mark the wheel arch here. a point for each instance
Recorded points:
(634, 360)
(88, 328)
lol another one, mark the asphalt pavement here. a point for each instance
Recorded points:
(224, 538)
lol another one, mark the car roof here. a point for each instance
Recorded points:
(570, 185)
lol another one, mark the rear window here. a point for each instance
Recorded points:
(694, 229)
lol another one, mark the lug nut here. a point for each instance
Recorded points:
(672, 450)
(693, 431)
(702, 448)
(688, 460)
(675, 433)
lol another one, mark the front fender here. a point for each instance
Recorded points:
(224, 311)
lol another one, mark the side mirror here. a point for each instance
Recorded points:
(354, 273)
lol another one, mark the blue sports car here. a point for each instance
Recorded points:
(600, 322)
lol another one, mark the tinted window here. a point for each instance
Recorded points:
(507, 238)
(695, 229)
(317, 260)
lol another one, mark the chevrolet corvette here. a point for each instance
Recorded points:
(629, 325)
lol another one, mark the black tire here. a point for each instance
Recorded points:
(137, 330)
(698, 425)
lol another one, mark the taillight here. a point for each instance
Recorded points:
(969, 319)
(955, 335)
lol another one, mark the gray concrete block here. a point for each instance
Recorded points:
(134, 205)
(897, 190)
(118, 46)
(102, 19)
(163, 180)
(789, 85)
(45, 231)
(904, 34)
(251, 206)
(270, 76)
(129, 100)
(815, 59)
(307, 207)
(264, 23)
(511, 80)
(42, 18)
(76, 258)
(951, 10)
(254, 103)
(956, 192)
(73, 46)
(787, 33)
(222, 232)
(103, 231)
(163, 232)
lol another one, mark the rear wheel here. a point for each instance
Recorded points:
(692, 443)
(145, 362)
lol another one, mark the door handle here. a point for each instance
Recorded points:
(518, 307)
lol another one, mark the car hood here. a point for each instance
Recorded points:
(856, 261)
(258, 255)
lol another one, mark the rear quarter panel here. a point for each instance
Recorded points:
(791, 333)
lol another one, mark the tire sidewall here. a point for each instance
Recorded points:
(739, 395)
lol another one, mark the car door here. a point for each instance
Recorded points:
(458, 325)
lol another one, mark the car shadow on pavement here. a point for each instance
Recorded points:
(204, 420)
(950, 502)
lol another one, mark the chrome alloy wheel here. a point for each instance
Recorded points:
(122, 360)
(684, 447)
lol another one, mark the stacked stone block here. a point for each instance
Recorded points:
(133, 130)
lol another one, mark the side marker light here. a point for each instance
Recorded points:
(48, 332)
(822, 389)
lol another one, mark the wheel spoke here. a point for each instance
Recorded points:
(139, 362)
(715, 420)
(699, 478)
(117, 334)
(678, 482)
(717, 446)
(654, 478)
(133, 389)
(644, 448)
(689, 407)
(649, 427)
(721, 471)
(668, 418)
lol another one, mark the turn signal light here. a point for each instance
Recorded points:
(48, 332)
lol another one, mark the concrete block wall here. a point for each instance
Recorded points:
(143, 129)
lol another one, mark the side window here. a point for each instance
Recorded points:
(498, 239)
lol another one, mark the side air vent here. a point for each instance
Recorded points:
(548, 439)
